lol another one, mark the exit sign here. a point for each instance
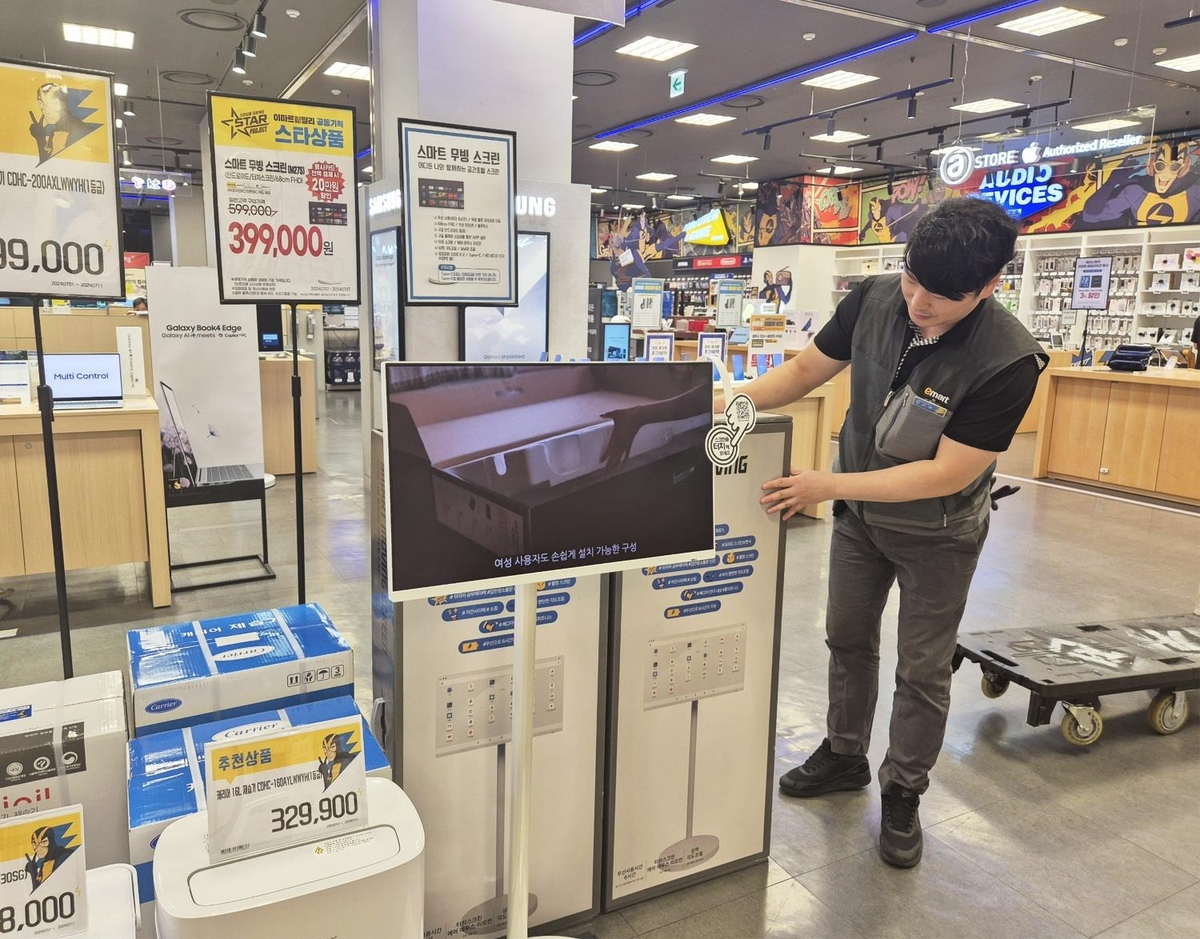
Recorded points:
(677, 78)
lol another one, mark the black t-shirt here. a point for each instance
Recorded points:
(986, 419)
(1196, 333)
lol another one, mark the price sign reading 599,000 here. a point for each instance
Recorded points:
(281, 242)
(68, 257)
(44, 912)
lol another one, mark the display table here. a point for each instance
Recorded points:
(1059, 358)
(812, 426)
(1133, 431)
(275, 387)
(110, 485)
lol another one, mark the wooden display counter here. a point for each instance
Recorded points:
(1133, 431)
(110, 485)
(275, 387)
(1059, 358)
(812, 418)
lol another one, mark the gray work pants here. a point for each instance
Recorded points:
(934, 571)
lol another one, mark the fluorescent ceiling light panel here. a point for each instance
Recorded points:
(633, 205)
(660, 50)
(846, 170)
(656, 177)
(98, 36)
(613, 146)
(840, 136)
(1187, 63)
(734, 158)
(839, 80)
(941, 150)
(596, 190)
(1049, 21)
(1115, 123)
(344, 70)
(986, 105)
(705, 120)
(120, 89)
(749, 187)
(679, 197)
(824, 169)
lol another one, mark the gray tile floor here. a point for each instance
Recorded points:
(1025, 835)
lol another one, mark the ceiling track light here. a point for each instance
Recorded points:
(239, 62)
(1026, 120)
(767, 141)
(879, 153)
(258, 26)
(127, 108)
(125, 161)
(721, 188)
(831, 127)
(250, 47)
(912, 108)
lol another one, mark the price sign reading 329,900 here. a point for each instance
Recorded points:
(52, 257)
(281, 242)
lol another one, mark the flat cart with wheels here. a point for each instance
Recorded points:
(1076, 665)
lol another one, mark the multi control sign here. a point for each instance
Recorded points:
(1022, 180)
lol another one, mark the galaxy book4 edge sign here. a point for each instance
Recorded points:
(1023, 179)
(60, 229)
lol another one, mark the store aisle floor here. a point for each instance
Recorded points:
(1025, 835)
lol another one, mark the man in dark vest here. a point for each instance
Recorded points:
(942, 376)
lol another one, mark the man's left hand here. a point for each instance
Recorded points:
(790, 494)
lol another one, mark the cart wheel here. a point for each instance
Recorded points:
(993, 687)
(1074, 735)
(1160, 715)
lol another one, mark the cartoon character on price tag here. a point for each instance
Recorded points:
(50, 847)
(337, 752)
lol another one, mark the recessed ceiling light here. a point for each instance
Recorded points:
(98, 36)
(705, 120)
(840, 136)
(1051, 21)
(1187, 63)
(1115, 123)
(809, 37)
(120, 89)
(679, 197)
(1159, 50)
(846, 170)
(1122, 41)
(292, 14)
(612, 146)
(345, 70)
(336, 92)
(660, 50)
(986, 105)
(839, 79)
(734, 158)
(247, 81)
(656, 177)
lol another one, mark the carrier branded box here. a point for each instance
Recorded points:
(63, 743)
(166, 775)
(190, 673)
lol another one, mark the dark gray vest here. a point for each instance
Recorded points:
(884, 429)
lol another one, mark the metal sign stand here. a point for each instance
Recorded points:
(297, 432)
(45, 399)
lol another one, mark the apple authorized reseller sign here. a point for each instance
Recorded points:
(1020, 180)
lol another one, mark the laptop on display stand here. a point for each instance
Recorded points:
(85, 380)
(201, 475)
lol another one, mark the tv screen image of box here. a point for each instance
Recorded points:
(501, 472)
(166, 774)
(61, 743)
(186, 673)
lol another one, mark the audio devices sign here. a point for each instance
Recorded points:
(1021, 180)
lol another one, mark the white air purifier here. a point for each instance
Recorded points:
(367, 882)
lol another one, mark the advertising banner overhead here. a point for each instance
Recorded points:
(284, 200)
(458, 186)
(60, 228)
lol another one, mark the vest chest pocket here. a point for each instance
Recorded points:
(910, 427)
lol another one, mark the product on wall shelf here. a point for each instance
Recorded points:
(342, 358)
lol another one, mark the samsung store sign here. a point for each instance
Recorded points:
(1020, 180)
(526, 206)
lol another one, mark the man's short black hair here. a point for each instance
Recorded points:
(957, 248)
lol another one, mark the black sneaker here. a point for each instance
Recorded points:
(900, 831)
(826, 771)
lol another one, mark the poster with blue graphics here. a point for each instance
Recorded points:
(455, 724)
(694, 694)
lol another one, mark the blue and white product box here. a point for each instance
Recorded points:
(166, 774)
(189, 673)
(63, 743)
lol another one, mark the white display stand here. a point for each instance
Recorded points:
(367, 882)
(113, 908)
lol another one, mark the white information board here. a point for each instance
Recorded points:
(284, 200)
(60, 221)
(660, 347)
(43, 874)
(460, 224)
(646, 300)
(729, 302)
(272, 790)
(1090, 288)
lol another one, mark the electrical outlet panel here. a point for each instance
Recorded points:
(691, 666)
(474, 709)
